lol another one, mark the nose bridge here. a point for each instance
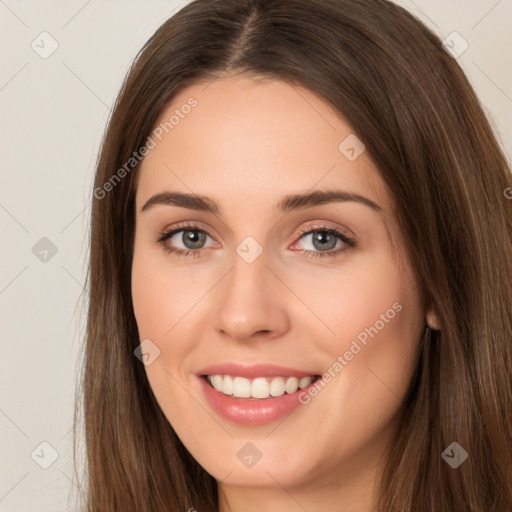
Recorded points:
(251, 300)
(247, 282)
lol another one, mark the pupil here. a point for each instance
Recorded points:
(193, 237)
(322, 237)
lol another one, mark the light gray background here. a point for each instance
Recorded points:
(53, 113)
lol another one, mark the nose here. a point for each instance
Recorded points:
(251, 302)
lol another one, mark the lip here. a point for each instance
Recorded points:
(252, 371)
(251, 411)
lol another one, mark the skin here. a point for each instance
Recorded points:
(246, 144)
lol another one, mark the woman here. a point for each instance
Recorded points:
(232, 365)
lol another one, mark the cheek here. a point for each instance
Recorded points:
(165, 301)
(383, 317)
(373, 298)
(161, 300)
(161, 295)
(376, 320)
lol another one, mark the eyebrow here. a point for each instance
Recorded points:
(287, 203)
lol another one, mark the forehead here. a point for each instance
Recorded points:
(253, 138)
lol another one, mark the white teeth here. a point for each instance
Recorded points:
(217, 382)
(292, 384)
(227, 385)
(241, 387)
(305, 381)
(261, 387)
(277, 387)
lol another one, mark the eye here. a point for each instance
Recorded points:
(192, 238)
(323, 239)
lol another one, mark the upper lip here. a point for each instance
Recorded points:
(252, 371)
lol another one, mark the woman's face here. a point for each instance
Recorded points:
(267, 296)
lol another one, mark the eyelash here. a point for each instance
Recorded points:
(195, 253)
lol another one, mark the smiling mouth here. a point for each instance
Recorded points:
(259, 388)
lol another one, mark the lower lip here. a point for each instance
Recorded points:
(251, 411)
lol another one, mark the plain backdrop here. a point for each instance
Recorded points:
(53, 112)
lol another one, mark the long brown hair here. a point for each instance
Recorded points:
(410, 103)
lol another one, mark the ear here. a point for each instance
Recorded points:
(433, 320)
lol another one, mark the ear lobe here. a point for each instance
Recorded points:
(432, 320)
